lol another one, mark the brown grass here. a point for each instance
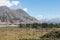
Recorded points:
(19, 33)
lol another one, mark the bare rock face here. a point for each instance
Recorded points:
(8, 15)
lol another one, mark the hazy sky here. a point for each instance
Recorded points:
(37, 8)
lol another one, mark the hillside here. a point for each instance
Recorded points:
(52, 20)
(8, 15)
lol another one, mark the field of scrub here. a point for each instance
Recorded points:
(9, 33)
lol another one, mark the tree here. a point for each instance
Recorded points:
(21, 25)
(35, 25)
(44, 25)
(51, 25)
(28, 25)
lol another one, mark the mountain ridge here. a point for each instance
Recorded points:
(8, 15)
(52, 20)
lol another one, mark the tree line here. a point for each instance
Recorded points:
(39, 25)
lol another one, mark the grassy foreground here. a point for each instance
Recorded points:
(8, 33)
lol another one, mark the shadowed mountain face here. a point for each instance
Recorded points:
(14, 15)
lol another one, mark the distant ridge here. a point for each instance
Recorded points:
(54, 20)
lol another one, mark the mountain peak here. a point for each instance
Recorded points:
(4, 7)
(8, 15)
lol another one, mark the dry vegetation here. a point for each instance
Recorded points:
(14, 33)
(9, 33)
(53, 35)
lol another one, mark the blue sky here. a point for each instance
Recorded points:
(40, 9)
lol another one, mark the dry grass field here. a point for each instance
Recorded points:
(15, 33)
(8, 33)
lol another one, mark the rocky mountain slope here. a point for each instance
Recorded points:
(8, 15)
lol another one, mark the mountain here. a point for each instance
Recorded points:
(53, 20)
(44, 20)
(8, 15)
